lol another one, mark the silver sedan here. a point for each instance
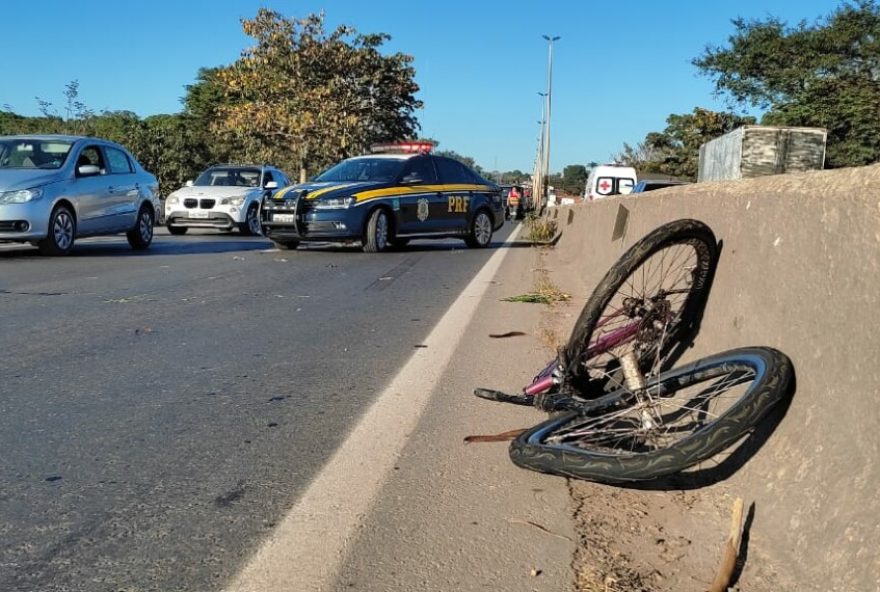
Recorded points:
(55, 189)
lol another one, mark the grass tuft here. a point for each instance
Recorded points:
(540, 230)
(545, 292)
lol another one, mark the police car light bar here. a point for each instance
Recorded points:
(403, 147)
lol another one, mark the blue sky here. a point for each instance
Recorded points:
(619, 69)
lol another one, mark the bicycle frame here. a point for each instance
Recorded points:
(550, 376)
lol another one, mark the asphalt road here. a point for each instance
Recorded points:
(159, 411)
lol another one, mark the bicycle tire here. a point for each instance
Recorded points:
(551, 447)
(686, 233)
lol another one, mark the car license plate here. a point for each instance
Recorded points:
(198, 214)
(282, 218)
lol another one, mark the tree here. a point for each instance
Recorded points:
(514, 177)
(826, 74)
(123, 127)
(303, 98)
(77, 117)
(676, 150)
(172, 150)
(202, 107)
(467, 160)
(574, 178)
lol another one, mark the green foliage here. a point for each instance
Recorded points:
(514, 176)
(77, 119)
(544, 292)
(540, 229)
(825, 74)
(203, 104)
(676, 150)
(467, 160)
(574, 179)
(173, 150)
(299, 98)
(303, 98)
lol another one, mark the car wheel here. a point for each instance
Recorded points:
(141, 235)
(480, 234)
(286, 245)
(251, 225)
(176, 230)
(376, 234)
(62, 232)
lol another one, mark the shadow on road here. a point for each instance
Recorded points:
(204, 244)
(159, 247)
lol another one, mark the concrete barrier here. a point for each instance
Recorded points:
(799, 272)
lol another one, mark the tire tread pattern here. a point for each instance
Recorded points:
(768, 389)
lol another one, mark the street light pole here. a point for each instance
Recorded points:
(546, 151)
(537, 190)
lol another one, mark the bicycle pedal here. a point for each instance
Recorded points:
(493, 395)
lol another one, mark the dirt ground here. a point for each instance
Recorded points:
(663, 537)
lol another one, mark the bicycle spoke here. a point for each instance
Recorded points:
(662, 415)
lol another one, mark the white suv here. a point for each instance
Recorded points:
(224, 197)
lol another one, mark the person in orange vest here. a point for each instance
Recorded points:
(514, 204)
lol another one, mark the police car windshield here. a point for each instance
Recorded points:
(364, 169)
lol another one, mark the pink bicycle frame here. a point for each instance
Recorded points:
(547, 378)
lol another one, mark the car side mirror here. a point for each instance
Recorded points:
(88, 170)
(189, 183)
(271, 185)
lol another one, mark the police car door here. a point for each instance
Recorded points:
(456, 183)
(416, 208)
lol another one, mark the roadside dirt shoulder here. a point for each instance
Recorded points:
(667, 537)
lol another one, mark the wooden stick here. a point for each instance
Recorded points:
(728, 563)
(502, 437)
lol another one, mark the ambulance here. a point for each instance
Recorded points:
(610, 179)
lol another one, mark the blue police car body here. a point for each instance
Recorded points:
(383, 201)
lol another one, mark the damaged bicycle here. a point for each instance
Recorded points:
(619, 411)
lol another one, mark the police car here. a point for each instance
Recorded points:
(384, 199)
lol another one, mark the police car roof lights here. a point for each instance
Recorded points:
(413, 147)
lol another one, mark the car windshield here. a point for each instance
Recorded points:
(363, 169)
(231, 177)
(26, 153)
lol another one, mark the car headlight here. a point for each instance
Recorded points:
(333, 203)
(232, 201)
(172, 200)
(20, 196)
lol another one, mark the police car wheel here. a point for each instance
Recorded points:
(481, 231)
(376, 235)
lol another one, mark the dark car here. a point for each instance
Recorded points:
(652, 184)
(384, 200)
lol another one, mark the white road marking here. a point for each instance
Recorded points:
(307, 547)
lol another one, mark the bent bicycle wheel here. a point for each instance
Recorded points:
(648, 303)
(682, 417)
